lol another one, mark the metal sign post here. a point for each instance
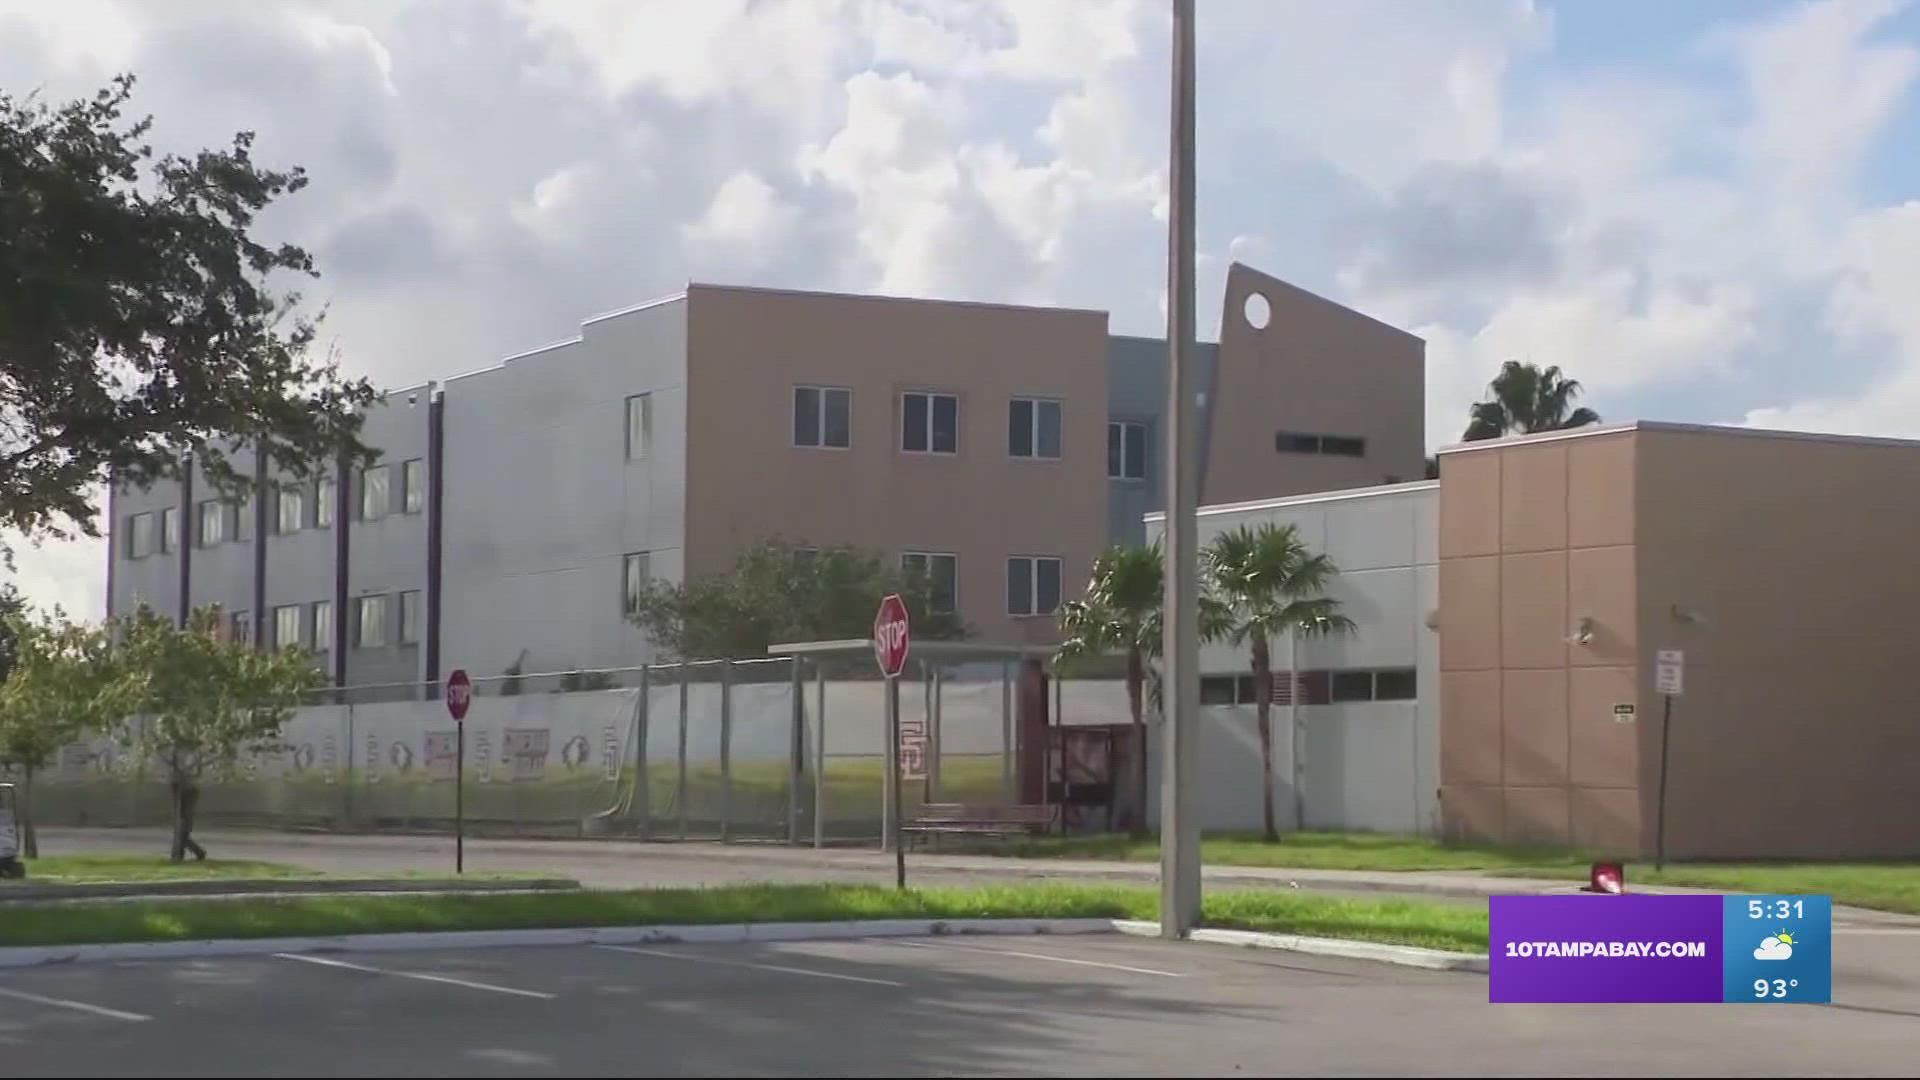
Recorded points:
(1668, 678)
(459, 698)
(890, 639)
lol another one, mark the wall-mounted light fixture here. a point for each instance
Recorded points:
(1583, 632)
(1686, 615)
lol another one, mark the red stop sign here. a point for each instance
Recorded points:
(459, 693)
(890, 636)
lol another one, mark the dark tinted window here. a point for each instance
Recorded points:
(946, 424)
(1217, 690)
(1395, 684)
(1353, 686)
(1343, 445)
(1315, 688)
(1020, 427)
(806, 416)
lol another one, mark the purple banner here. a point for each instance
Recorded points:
(1644, 948)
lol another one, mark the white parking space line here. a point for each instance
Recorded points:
(1036, 956)
(419, 975)
(784, 970)
(77, 1006)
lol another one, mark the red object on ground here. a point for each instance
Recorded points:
(1607, 877)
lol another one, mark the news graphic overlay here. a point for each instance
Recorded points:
(1655, 949)
(1779, 948)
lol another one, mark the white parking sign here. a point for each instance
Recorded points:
(1668, 671)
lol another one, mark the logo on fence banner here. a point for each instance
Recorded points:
(442, 755)
(525, 750)
(373, 758)
(574, 754)
(483, 758)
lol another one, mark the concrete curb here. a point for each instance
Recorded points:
(718, 934)
(1403, 955)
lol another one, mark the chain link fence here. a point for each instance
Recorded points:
(790, 749)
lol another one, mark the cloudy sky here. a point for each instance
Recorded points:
(1706, 211)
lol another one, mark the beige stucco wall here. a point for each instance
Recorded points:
(1316, 368)
(1535, 536)
(748, 348)
(1797, 733)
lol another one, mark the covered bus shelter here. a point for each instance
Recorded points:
(980, 722)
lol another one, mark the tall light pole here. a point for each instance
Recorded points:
(1179, 828)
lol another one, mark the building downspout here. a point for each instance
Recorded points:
(436, 532)
(260, 492)
(342, 499)
(189, 535)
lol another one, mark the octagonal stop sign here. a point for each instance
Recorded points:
(890, 636)
(459, 694)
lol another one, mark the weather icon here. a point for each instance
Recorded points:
(1777, 947)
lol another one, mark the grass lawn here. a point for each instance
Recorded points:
(1305, 851)
(91, 869)
(1409, 922)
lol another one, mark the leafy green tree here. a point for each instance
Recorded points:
(1525, 399)
(778, 591)
(202, 701)
(1272, 585)
(12, 606)
(63, 687)
(1120, 612)
(136, 317)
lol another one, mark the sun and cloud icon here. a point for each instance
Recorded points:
(1776, 947)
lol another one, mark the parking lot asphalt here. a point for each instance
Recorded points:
(1101, 1005)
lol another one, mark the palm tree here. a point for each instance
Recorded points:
(1271, 584)
(1120, 612)
(1526, 399)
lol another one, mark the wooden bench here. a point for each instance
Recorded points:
(980, 819)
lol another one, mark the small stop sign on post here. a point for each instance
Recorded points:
(459, 697)
(890, 636)
(459, 694)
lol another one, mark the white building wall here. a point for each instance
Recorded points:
(1370, 765)
(542, 503)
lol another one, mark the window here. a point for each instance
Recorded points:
(1216, 690)
(410, 617)
(1315, 688)
(634, 571)
(413, 486)
(375, 499)
(1126, 450)
(139, 536)
(930, 423)
(1352, 686)
(169, 529)
(1033, 585)
(639, 426)
(243, 627)
(1294, 442)
(1033, 428)
(213, 522)
(286, 625)
(823, 417)
(1245, 687)
(243, 521)
(370, 622)
(323, 498)
(322, 625)
(1395, 684)
(941, 573)
(290, 509)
